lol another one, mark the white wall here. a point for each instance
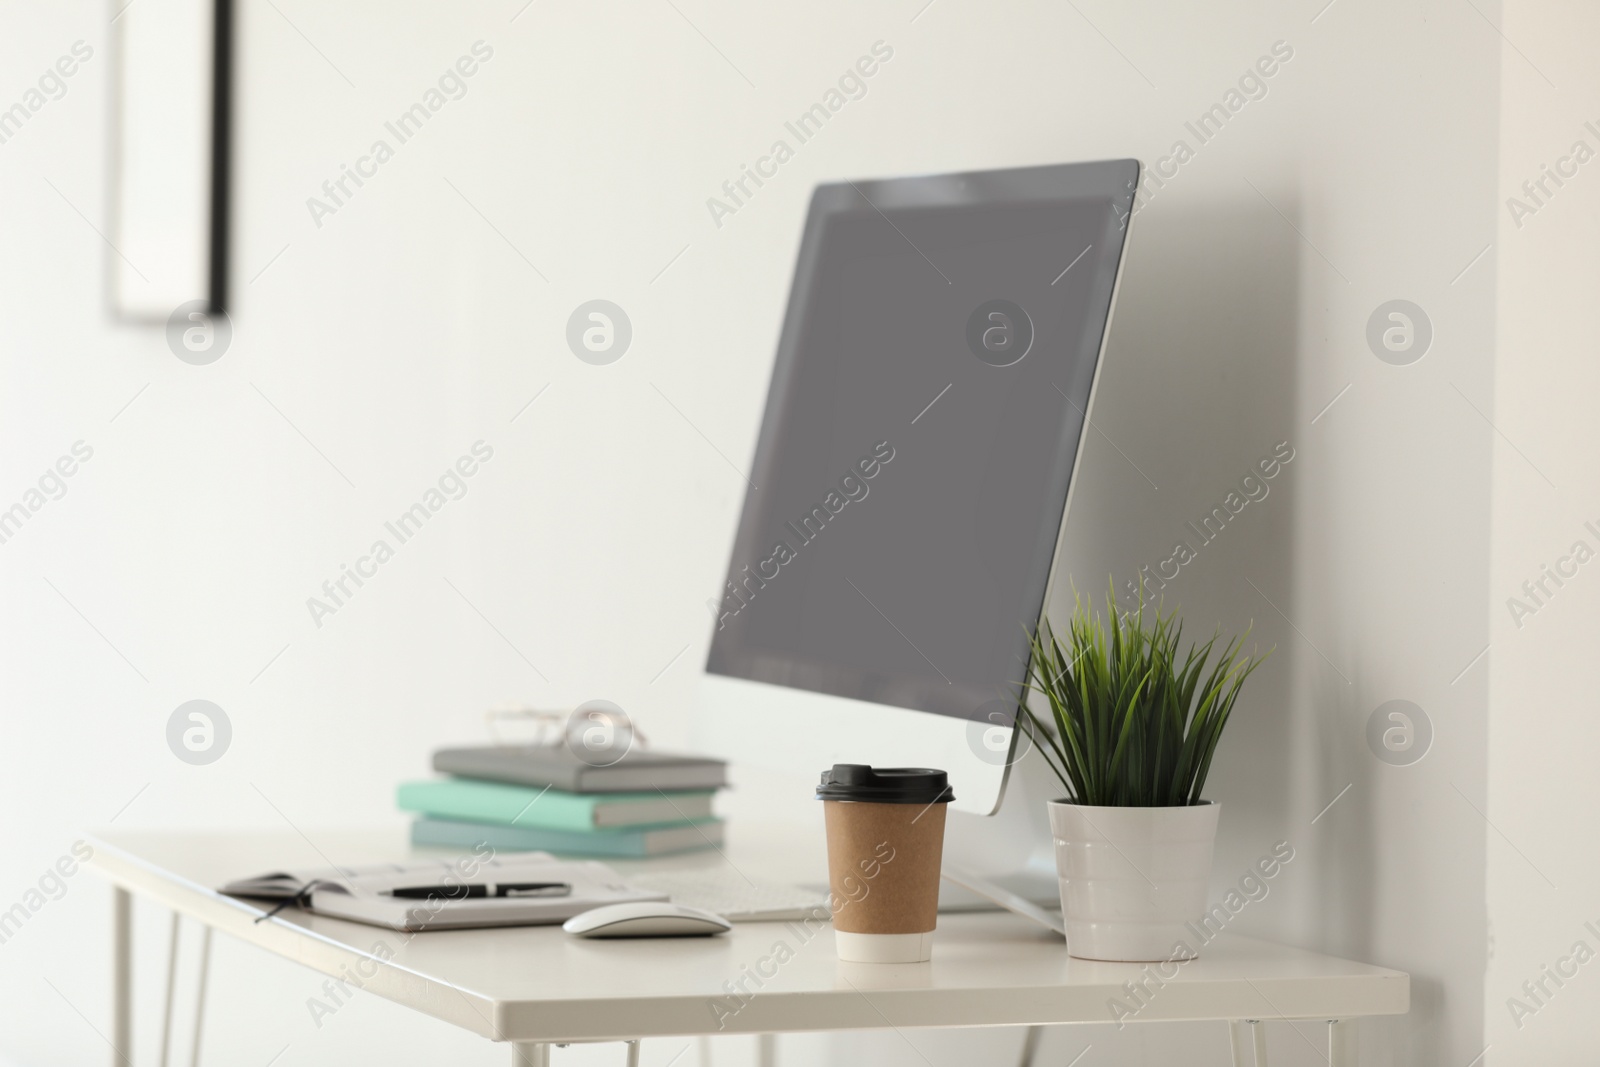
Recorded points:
(373, 350)
(1543, 734)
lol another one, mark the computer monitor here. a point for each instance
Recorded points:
(932, 388)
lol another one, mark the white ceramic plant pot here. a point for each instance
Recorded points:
(1132, 878)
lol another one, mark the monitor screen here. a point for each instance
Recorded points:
(921, 430)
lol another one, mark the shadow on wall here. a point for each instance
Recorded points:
(1202, 381)
(1199, 389)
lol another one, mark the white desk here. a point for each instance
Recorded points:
(989, 969)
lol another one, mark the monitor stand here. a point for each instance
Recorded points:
(994, 894)
(1006, 859)
(998, 857)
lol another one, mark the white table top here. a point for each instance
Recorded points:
(539, 984)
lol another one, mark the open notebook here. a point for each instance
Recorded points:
(530, 889)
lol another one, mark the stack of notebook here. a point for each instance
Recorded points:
(516, 798)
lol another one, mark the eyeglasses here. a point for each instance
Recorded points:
(525, 724)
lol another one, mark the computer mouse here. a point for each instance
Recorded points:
(656, 918)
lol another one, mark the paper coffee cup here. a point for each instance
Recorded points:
(885, 844)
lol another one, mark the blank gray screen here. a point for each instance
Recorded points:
(912, 470)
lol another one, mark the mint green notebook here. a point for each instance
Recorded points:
(470, 800)
(633, 842)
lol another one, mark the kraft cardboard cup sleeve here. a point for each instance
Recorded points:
(885, 844)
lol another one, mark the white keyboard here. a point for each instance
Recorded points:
(729, 894)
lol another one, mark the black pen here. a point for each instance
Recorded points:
(480, 890)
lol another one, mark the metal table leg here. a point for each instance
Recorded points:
(121, 977)
(1248, 1033)
(172, 985)
(1030, 1045)
(200, 994)
(530, 1054)
(1342, 1050)
(537, 1053)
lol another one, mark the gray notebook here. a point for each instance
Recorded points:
(638, 771)
(528, 890)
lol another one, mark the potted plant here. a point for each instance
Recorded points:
(1132, 728)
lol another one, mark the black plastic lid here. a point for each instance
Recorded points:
(886, 785)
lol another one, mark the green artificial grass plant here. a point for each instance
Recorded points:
(1133, 722)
